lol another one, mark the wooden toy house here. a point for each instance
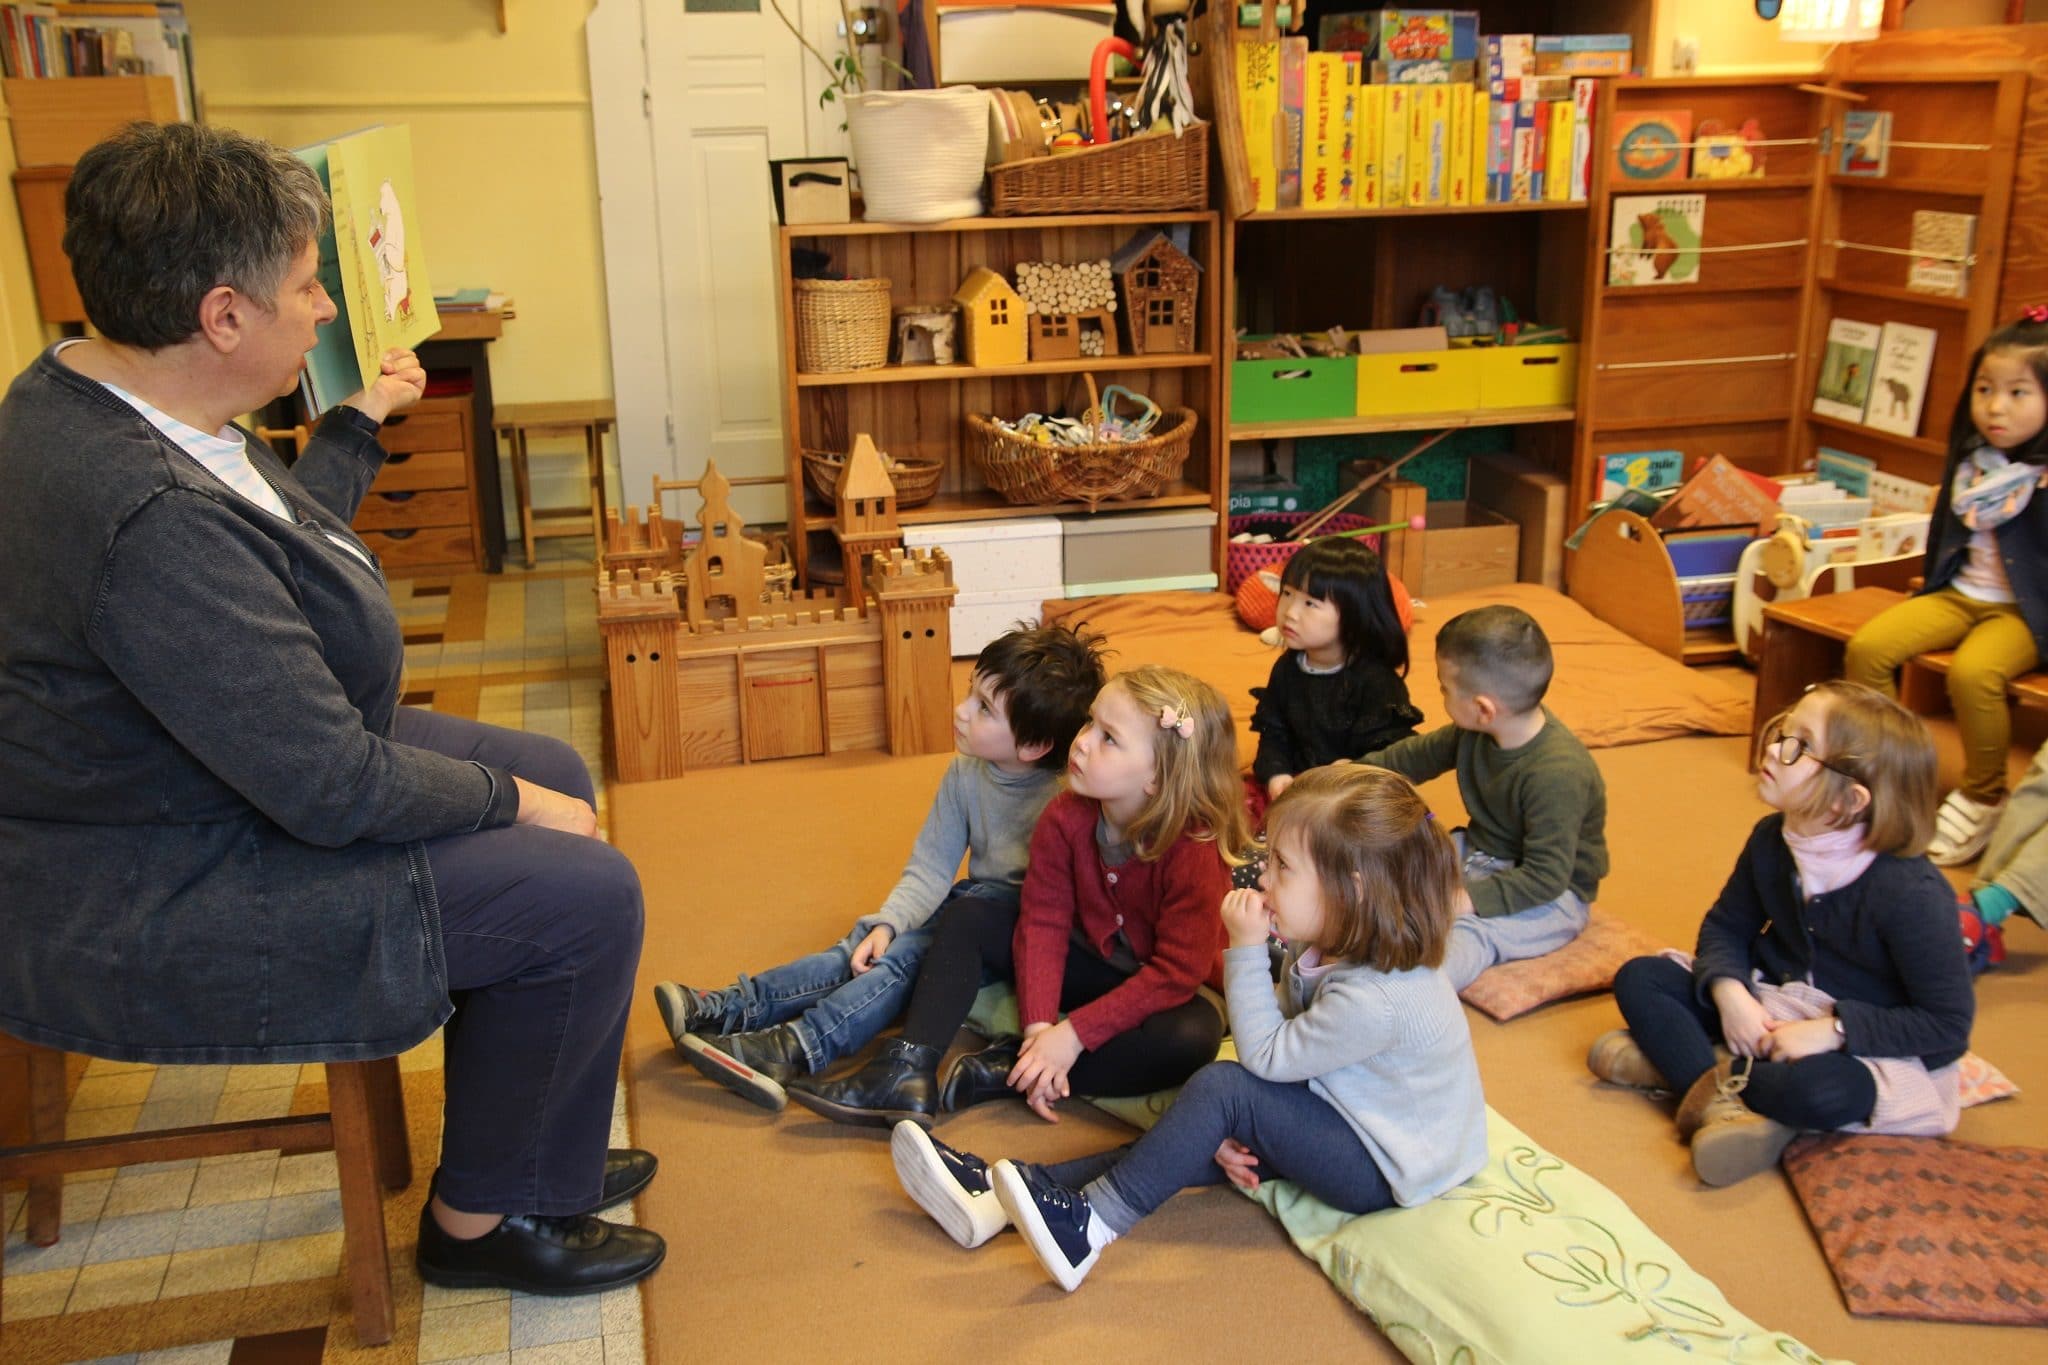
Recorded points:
(1160, 284)
(992, 313)
(712, 662)
(1055, 336)
(925, 334)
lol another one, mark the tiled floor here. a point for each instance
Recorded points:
(518, 649)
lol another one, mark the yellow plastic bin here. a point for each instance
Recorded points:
(1402, 382)
(1529, 376)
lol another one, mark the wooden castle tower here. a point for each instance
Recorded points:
(711, 662)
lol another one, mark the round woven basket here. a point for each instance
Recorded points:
(842, 325)
(1031, 474)
(916, 481)
(1241, 561)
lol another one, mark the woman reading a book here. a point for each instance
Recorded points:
(222, 838)
(1986, 582)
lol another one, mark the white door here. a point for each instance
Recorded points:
(690, 100)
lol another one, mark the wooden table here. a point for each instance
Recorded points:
(1803, 643)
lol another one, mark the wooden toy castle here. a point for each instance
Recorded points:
(712, 661)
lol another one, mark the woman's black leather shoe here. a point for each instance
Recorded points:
(978, 1078)
(539, 1254)
(626, 1172)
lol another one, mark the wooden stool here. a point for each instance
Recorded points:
(590, 418)
(364, 1128)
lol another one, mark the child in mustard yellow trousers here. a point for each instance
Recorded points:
(1986, 592)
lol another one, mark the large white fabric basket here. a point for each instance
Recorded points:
(920, 153)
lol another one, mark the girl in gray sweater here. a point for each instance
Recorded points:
(1355, 1080)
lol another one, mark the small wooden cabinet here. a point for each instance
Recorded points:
(423, 511)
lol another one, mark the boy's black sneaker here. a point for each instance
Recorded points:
(1058, 1226)
(952, 1186)
(751, 1065)
(679, 1012)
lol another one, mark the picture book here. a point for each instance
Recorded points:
(1941, 245)
(372, 262)
(1895, 535)
(1655, 239)
(1843, 388)
(1723, 153)
(1848, 472)
(1651, 147)
(1647, 470)
(1894, 494)
(1720, 494)
(1866, 142)
(1898, 386)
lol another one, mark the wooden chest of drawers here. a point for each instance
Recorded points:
(422, 512)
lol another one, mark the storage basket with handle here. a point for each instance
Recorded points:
(1031, 473)
(1152, 171)
(842, 325)
(1242, 559)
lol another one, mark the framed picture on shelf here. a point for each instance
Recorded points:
(1843, 388)
(1655, 239)
(1898, 386)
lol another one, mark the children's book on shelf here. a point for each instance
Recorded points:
(1723, 153)
(1644, 470)
(1720, 493)
(1866, 142)
(1898, 386)
(1941, 245)
(1843, 388)
(1895, 494)
(1894, 535)
(1845, 470)
(1656, 238)
(1651, 147)
(372, 262)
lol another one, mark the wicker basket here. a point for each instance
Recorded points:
(1150, 171)
(1035, 475)
(1241, 561)
(842, 325)
(916, 481)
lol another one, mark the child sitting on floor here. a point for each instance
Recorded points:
(1117, 932)
(1028, 696)
(1536, 849)
(1358, 1083)
(1337, 691)
(1829, 966)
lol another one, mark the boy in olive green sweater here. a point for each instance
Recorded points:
(1536, 849)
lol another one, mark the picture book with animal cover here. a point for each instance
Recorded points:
(1866, 142)
(1656, 239)
(1898, 386)
(372, 262)
(1941, 245)
(1843, 386)
(1651, 147)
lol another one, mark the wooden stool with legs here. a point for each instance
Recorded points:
(364, 1128)
(590, 419)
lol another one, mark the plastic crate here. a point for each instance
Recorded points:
(1529, 376)
(1402, 382)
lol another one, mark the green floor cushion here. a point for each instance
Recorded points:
(1527, 1263)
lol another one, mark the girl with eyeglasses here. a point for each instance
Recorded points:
(1829, 989)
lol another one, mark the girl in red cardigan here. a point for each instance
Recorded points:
(1119, 926)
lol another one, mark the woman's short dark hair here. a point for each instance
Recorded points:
(159, 214)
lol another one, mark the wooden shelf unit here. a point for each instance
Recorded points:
(919, 411)
(1727, 366)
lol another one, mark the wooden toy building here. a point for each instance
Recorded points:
(992, 316)
(712, 663)
(1161, 284)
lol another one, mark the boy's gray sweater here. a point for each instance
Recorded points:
(980, 812)
(1390, 1051)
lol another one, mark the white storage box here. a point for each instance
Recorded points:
(1117, 552)
(1002, 570)
(1018, 43)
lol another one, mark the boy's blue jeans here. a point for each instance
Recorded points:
(833, 1012)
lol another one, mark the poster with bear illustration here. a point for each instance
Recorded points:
(1656, 239)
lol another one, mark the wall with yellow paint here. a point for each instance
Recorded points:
(1733, 41)
(507, 177)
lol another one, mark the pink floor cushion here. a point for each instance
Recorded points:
(1586, 964)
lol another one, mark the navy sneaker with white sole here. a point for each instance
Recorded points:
(952, 1186)
(1058, 1226)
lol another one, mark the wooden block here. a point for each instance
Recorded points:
(1398, 500)
(1465, 547)
(1532, 498)
(785, 717)
(55, 121)
(707, 707)
(646, 734)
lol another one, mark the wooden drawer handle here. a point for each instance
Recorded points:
(398, 459)
(401, 533)
(397, 497)
(805, 681)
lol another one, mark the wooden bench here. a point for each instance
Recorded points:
(1804, 641)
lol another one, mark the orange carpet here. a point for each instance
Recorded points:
(791, 1233)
